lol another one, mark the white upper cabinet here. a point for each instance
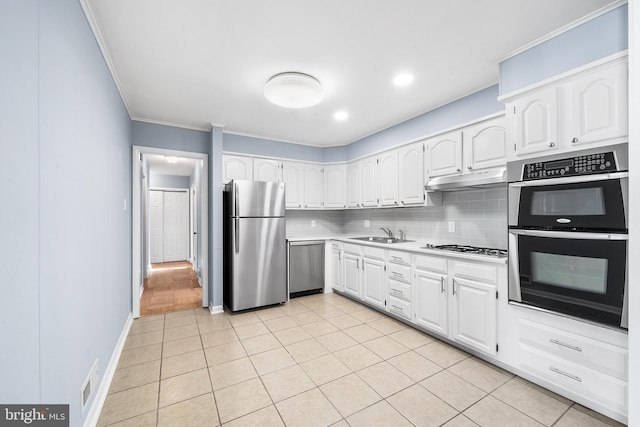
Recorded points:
(313, 186)
(534, 122)
(353, 185)
(411, 174)
(388, 178)
(485, 144)
(443, 154)
(335, 186)
(585, 107)
(369, 181)
(599, 101)
(293, 178)
(267, 170)
(236, 167)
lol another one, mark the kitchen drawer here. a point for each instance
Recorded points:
(399, 272)
(371, 252)
(588, 383)
(399, 290)
(336, 245)
(352, 249)
(400, 257)
(431, 263)
(606, 358)
(473, 271)
(399, 307)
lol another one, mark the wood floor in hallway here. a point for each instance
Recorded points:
(171, 286)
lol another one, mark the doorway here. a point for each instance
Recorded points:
(197, 244)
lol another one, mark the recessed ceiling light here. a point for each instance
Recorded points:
(403, 79)
(341, 115)
(293, 90)
(171, 159)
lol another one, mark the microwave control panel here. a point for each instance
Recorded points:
(571, 166)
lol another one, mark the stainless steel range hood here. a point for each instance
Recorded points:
(482, 179)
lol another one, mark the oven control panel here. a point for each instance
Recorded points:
(587, 164)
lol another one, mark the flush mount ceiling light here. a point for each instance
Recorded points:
(293, 90)
(341, 115)
(171, 159)
(403, 79)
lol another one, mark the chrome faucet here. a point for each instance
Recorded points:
(402, 236)
(388, 231)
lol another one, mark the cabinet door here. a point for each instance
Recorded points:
(351, 274)
(313, 186)
(474, 308)
(599, 101)
(267, 170)
(236, 167)
(388, 178)
(335, 186)
(369, 181)
(373, 279)
(353, 185)
(444, 154)
(293, 178)
(485, 145)
(431, 301)
(410, 172)
(337, 274)
(535, 122)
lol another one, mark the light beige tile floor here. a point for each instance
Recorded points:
(318, 360)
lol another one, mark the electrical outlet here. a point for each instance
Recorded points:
(313, 223)
(452, 226)
(367, 223)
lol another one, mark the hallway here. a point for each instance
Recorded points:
(171, 286)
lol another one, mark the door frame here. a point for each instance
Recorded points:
(138, 221)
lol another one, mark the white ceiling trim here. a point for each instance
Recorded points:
(105, 53)
(177, 125)
(564, 29)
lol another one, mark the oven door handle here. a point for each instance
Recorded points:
(569, 235)
(570, 179)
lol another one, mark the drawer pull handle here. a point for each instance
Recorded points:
(397, 308)
(558, 371)
(397, 291)
(399, 258)
(442, 284)
(562, 344)
(395, 273)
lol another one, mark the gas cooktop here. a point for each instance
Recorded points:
(468, 249)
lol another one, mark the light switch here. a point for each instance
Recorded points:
(125, 203)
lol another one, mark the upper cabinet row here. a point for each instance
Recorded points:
(586, 108)
(392, 178)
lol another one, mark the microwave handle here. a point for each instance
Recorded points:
(569, 235)
(571, 179)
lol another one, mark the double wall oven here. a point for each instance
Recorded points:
(568, 234)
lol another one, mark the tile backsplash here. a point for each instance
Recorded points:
(477, 217)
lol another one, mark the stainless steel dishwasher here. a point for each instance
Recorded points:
(306, 267)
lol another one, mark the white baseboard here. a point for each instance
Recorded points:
(216, 309)
(98, 402)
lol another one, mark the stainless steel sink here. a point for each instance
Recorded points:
(377, 239)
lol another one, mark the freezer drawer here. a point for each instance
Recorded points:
(306, 267)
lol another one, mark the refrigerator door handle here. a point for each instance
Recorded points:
(236, 206)
(237, 227)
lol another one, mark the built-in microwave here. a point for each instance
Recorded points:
(568, 225)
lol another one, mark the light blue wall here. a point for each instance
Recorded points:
(19, 274)
(595, 39)
(66, 269)
(474, 106)
(267, 147)
(169, 181)
(169, 137)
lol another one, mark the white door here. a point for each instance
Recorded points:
(293, 178)
(474, 306)
(335, 183)
(373, 279)
(155, 220)
(444, 154)
(351, 274)
(485, 145)
(313, 186)
(388, 178)
(369, 181)
(353, 185)
(534, 122)
(431, 304)
(176, 214)
(236, 167)
(194, 227)
(267, 170)
(410, 169)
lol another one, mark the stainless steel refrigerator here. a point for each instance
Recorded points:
(254, 272)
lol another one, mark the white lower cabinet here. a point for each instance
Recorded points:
(337, 266)
(399, 284)
(430, 282)
(352, 261)
(373, 276)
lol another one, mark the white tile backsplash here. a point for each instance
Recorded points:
(480, 218)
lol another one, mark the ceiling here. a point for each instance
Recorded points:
(194, 63)
(158, 164)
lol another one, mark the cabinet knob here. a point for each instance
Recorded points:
(458, 170)
(552, 144)
(469, 167)
(574, 140)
